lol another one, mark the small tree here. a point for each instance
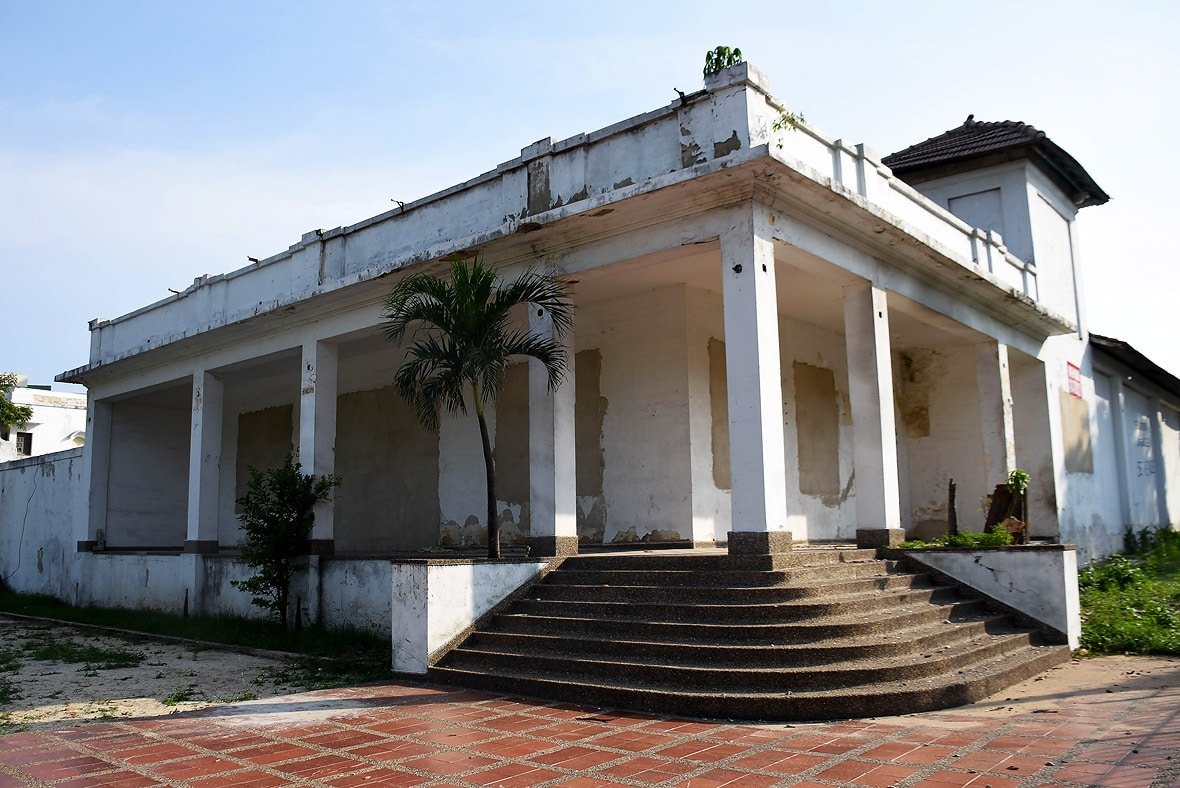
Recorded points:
(463, 342)
(721, 57)
(277, 515)
(11, 415)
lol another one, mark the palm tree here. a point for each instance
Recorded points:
(461, 344)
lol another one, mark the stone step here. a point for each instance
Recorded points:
(866, 622)
(683, 675)
(727, 578)
(924, 638)
(886, 697)
(717, 561)
(722, 595)
(737, 613)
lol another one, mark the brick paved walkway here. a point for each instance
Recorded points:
(1112, 725)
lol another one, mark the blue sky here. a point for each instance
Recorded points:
(143, 144)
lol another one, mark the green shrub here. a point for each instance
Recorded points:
(1131, 603)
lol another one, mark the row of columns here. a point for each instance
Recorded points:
(756, 448)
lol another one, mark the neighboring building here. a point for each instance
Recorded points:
(58, 422)
(779, 339)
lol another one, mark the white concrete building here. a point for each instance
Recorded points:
(779, 340)
(58, 422)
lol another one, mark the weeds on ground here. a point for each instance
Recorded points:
(9, 662)
(329, 657)
(1131, 603)
(967, 540)
(93, 657)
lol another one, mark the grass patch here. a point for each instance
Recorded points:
(9, 662)
(330, 657)
(968, 540)
(1131, 602)
(93, 657)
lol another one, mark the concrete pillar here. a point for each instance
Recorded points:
(317, 430)
(552, 478)
(1118, 418)
(204, 463)
(755, 389)
(995, 413)
(1157, 456)
(874, 435)
(97, 460)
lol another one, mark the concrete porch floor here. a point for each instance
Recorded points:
(1113, 721)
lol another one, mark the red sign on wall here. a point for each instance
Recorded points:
(1074, 374)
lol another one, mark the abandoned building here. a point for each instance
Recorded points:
(782, 341)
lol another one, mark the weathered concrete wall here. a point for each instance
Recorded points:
(708, 403)
(148, 495)
(1031, 421)
(41, 500)
(938, 402)
(1041, 582)
(590, 409)
(511, 453)
(434, 601)
(388, 465)
(355, 593)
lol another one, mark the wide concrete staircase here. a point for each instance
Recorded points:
(809, 634)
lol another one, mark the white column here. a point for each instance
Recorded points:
(755, 389)
(1118, 417)
(204, 463)
(1157, 457)
(97, 454)
(552, 479)
(874, 435)
(995, 412)
(317, 428)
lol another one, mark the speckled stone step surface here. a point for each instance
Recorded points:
(809, 634)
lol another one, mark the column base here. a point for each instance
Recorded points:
(759, 542)
(552, 546)
(868, 538)
(202, 546)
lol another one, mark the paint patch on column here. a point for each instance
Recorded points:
(589, 415)
(913, 394)
(1075, 433)
(719, 414)
(817, 420)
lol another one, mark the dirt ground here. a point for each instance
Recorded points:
(119, 677)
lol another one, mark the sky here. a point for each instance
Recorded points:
(143, 144)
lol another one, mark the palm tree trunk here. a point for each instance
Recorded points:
(490, 468)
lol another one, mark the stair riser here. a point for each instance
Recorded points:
(726, 579)
(732, 614)
(685, 679)
(698, 595)
(769, 634)
(718, 562)
(770, 708)
(706, 655)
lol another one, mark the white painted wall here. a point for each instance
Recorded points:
(434, 601)
(1041, 582)
(58, 422)
(40, 500)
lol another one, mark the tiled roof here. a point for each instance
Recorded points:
(977, 139)
(1140, 363)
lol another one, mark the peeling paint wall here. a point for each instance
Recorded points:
(938, 399)
(1075, 428)
(388, 465)
(817, 433)
(462, 490)
(511, 453)
(264, 439)
(41, 498)
(589, 414)
(147, 503)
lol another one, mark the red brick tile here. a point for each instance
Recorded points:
(392, 750)
(158, 752)
(509, 775)
(702, 750)
(730, 779)
(632, 741)
(514, 722)
(446, 764)
(883, 776)
(228, 740)
(38, 755)
(193, 768)
(250, 779)
(273, 753)
(649, 770)
(321, 766)
(586, 782)
(382, 777)
(342, 740)
(575, 758)
(119, 779)
(571, 731)
(457, 737)
(402, 727)
(75, 766)
(513, 747)
(846, 772)
(780, 762)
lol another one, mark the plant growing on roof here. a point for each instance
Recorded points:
(277, 516)
(461, 341)
(721, 57)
